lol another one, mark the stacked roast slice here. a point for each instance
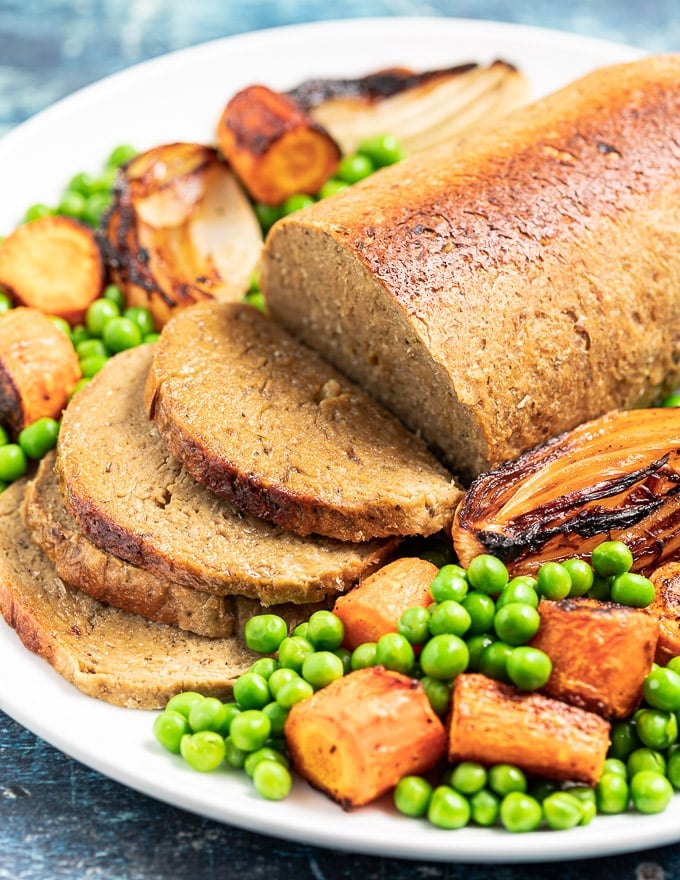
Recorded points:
(263, 478)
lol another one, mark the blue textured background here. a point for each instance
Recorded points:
(57, 818)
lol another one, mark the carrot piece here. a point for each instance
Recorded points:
(374, 607)
(38, 368)
(492, 722)
(666, 609)
(275, 147)
(586, 641)
(53, 264)
(357, 737)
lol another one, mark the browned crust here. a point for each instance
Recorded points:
(666, 609)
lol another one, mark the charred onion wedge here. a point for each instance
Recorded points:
(666, 608)
(616, 477)
(420, 109)
(180, 230)
(275, 147)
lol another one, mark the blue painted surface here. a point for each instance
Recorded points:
(57, 818)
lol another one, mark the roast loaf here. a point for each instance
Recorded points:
(497, 290)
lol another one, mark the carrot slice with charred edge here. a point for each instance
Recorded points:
(38, 368)
(274, 146)
(53, 264)
(666, 609)
(374, 607)
(358, 736)
(495, 723)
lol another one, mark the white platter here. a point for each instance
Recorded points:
(179, 97)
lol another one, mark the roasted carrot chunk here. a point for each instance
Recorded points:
(38, 368)
(601, 653)
(274, 146)
(494, 723)
(666, 609)
(357, 737)
(53, 264)
(374, 607)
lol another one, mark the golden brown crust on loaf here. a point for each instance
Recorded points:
(134, 500)
(499, 290)
(265, 422)
(106, 653)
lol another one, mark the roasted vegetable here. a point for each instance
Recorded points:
(666, 609)
(374, 607)
(600, 652)
(52, 264)
(180, 231)
(419, 109)
(494, 723)
(38, 368)
(357, 737)
(614, 478)
(274, 146)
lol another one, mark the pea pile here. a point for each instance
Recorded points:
(480, 620)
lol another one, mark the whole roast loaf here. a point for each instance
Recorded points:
(495, 291)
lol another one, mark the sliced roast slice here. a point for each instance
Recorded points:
(132, 498)
(262, 420)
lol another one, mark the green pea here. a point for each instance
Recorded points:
(321, 668)
(506, 778)
(80, 384)
(169, 727)
(5, 302)
(449, 617)
(541, 788)
(59, 323)
(468, 777)
(414, 625)
(203, 751)
(272, 780)
(516, 623)
(645, 759)
(438, 693)
(481, 609)
(39, 437)
(325, 631)
(301, 630)
(231, 710)
(120, 333)
(562, 810)
(476, 646)
(581, 575)
(250, 730)
(448, 808)
(267, 215)
(444, 656)
(294, 691)
(412, 796)
(255, 298)
(493, 660)
(79, 334)
(650, 792)
(234, 756)
(279, 677)
(37, 211)
(95, 205)
(296, 203)
(528, 668)
(71, 204)
(141, 317)
(114, 293)
(99, 313)
(623, 739)
(485, 808)
(120, 155)
(81, 182)
(331, 187)
(656, 729)
(600, 589)
(661, 688)
(553, 581)
(265, 666)
(91, 348)
(292, 652)
(277, 715)
(673, 765)
(354, 167)
(183, 702)
(450, 582)
(394, 651)
(671, 400)
(208, 714)
(345, 656)
(251, 691)
(13, 463)
(588, 799)
(633, 590)
(4, 436)
(487, 574)
(611, 558)
(520, 812)
(518, 591)
(364, 655)
(265, 632)
(615, 765)
(382, 149)
(266, 753)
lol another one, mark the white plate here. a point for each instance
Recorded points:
(179, 97)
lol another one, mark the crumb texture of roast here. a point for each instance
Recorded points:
(82, 564)
(265, 422)
(132, 498)
(106, 653)
(500, 289)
